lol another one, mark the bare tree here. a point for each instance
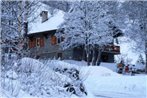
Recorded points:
(15, 17)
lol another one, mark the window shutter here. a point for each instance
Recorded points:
(30, 43)
(34, 43)
(41, 42)
(53, 40)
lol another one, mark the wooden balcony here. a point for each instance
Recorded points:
(112, 49)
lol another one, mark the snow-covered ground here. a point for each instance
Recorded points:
(103, 82)
(100, 82)
(111, 66)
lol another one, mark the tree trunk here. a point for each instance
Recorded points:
(99, 57)
(88, 60)
(87, 55)
(83, 54)
(93, 57)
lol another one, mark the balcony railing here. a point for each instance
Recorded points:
(112, 49)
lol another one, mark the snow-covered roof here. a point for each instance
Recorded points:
(51, 24)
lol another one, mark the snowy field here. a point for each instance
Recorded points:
(105, 83)
(111, 85)
(99, 81)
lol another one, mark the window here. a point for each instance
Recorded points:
(33, 42)
(53, 40)
(60, 39)
(38, 42)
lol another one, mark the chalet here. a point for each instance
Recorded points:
(44, 44)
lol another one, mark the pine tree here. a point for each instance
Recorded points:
(140, 60)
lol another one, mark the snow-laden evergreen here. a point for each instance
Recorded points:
(140, 63)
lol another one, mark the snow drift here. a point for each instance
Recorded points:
(39, 79)
(104, 82)
(31, 78)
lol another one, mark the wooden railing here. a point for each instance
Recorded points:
(112, 49)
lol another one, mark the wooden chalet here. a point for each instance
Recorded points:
(43, 43)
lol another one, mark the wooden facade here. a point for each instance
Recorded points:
(46, 45)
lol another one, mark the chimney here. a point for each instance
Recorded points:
(44, 15)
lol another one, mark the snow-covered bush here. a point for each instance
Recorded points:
(9, 78)
(38, 79)
(43, 79)
(10, 83)
(72, 71)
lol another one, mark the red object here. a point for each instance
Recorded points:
(53, 40)
(41, 42)
(32, 43)
(127, 69)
